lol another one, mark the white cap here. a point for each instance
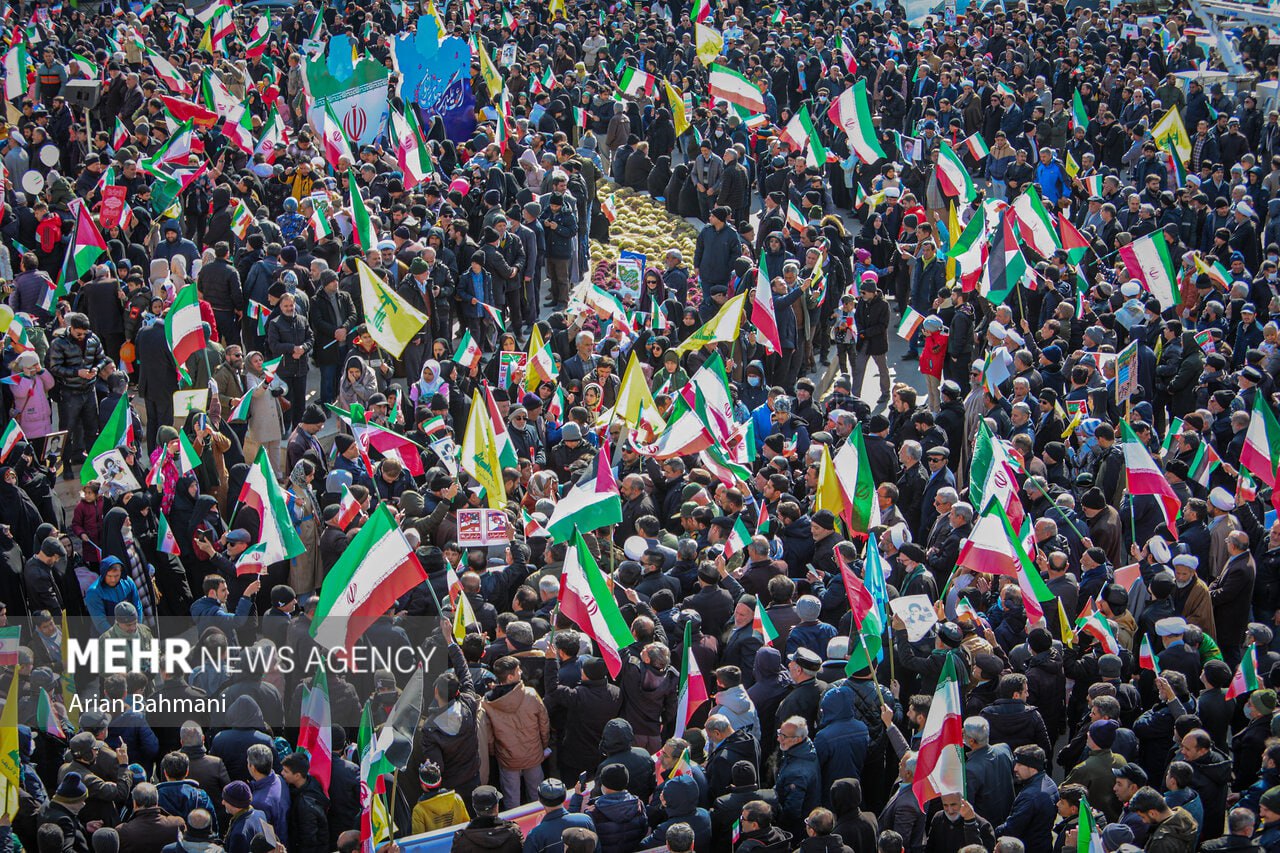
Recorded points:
(1244, 209)
(1222, 499)
(995, 329)
(899, 535)
(1158, 549)
(892, 192)
(1171, 625)
(1130, 288)
(1191, 562)
(1011, 335)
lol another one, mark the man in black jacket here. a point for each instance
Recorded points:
(871, 317)
(308, 806)
(332, 317)
(219, 283)
(487, 833)
(75, 356)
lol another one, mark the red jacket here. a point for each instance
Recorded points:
(934, 354)
(87, 521)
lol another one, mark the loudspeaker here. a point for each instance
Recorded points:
(82, 93)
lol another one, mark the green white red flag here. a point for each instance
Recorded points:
(587, 598)
(940, 760)
(693, 687)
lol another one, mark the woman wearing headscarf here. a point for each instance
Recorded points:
(118, 542)
(182, 510)
(428, 385)
(772, 684)
(358, 383)
(37, 481)
(30, 391)
(305, 575)
(165, 454)
(266, 420)
(18, 512)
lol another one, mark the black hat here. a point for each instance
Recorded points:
(1093, 499)
(551, 792)
(825, 518)
(950, 634)
(282, 594)
(1133, 772)
(595, 669)
(71, 789)
(743, 773)
(913, 552)
(313, 416)
(806, 659)
(615, 777)
(485, 798)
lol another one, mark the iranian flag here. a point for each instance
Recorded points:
(15, 71)
(315, 728)
(335, 140)
(120, 136)
(1246, 677)
(852, 111)
(239, 131)
(803, 136)
(1144, 478)
(542, 362)
(1261, 452)
(468, 354)
(532, 527)
(183, 328)
(739, 536)
(609, 207)
(731, 86)
(970, 250)
(991, 475)
(911, 321)
(262, 492)
(593, 502)
(763, 316)
(1213, 268)
(241, 219)
(411, 154)
(10, 640)
(976, 146)
(48, 720)
(1079, 116)
(256, 46)
(1146, 658)
(1148, 261)
(700, 11)
(940, 761)
(1034, 225)
(172, 78)
(377, 568)
(1035, 594)
(1096, 626)
(348, 508)
(853, 469)
(635, 83)
(273, 131)
(506, 449)
(762, 625)
(167, 542)
(12, 435)
(731, 473)
(388, 442)
(685, 434)
(954, 177)
(693, 687)
(587, 598)
(241, 412)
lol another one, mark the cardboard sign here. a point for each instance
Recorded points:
(114, 474)
(1126, 372)
(480, 527)
(509, 364)
(112, 210)
(917, 612)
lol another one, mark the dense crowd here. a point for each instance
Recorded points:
(1023, 600)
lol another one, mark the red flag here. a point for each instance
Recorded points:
(860, 600)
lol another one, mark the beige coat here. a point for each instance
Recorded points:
(515, 727)
(1198, 609)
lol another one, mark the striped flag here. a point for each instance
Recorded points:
(976, 146)
(1246, 677)
(762, 625)
(12, 435)
(693, 687)
(911, 321)
(167, 543)
(852, 112)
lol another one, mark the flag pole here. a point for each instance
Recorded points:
(856, 629)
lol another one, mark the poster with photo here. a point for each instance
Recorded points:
(481, 527)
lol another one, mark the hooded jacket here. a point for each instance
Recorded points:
(101, 599)
(1211, 778)
(855, 826)
(735, 704)
(842, 739)
(617, 744)
(740, 745)
(680, 796)
(591, 705)
(488, 834)
(619, 819)
(649, 697)
(450, 738)
(245, 727)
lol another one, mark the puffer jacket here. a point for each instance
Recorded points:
(681, 798)
(66, 357)
(1177, 834)
(798, 785)
(245, 727)
(740, 745)
(842, 739)
(619, 819)
(451, 739)
(515, 726)
(1211, 778)
(1015, 723)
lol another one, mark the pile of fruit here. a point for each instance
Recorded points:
(643, 225)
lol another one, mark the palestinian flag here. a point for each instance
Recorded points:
(377, 568)
(852, 112)
(762, 625)
(736, 89)
(1073, 241)
(853, 469)
(763, 316)
(12, 435)
(48, 720)
(693, 687)
(1097, 626)
(1246, 677)
(183, 327)
(1148, 261)
(866, 611)
(1145, 478)
(1146, 659)
(167, 542)
(586, 597)
(976, 146)
(911, 321)
(348, 508)
(315, 728)
(634, 83)
(1006, 266)
(940, 760)
(1206, 461)
(262, 492)
(468, 354)
(83, 251)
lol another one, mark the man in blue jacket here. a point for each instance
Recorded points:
(842, 739)
(1035, 803)
(211, 611)
(798, 784)
(545, 837)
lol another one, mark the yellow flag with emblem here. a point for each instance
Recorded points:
(1170, 132)
(392, 322)
(10, 757)
(480, 453)
(633, 394)
(724, 326)
(1071, 166)
(488, 70)
(678, 117)
(463, 616)
(709, 43)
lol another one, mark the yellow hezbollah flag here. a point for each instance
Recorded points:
(709, 44)
(1170, 132)
(633, 394)
(463, 616)
(829, 495)
(392, 322)
(1072, 168)
(676, 100)
(480, 453)
(953, 233)
(488, 70)
(722, 327)
(10, 758)
(554, 6)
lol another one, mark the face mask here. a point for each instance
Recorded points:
(753, 381)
